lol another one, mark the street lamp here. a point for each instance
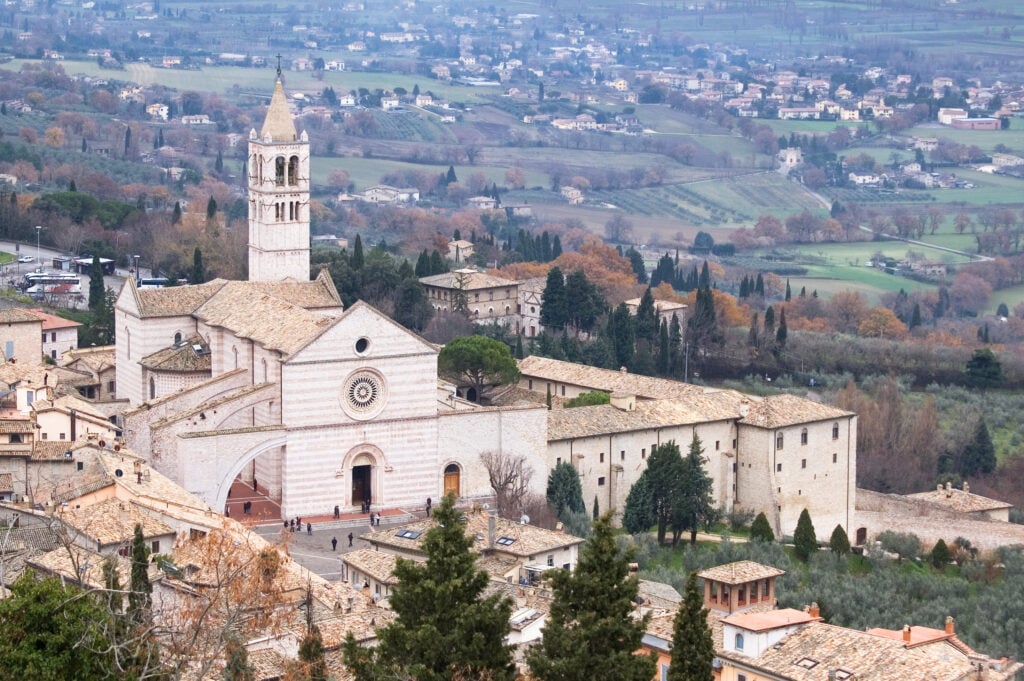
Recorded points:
(39, 262)
(136, 259)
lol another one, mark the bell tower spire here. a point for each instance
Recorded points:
(278, 171)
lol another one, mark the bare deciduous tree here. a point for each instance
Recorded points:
(510, 476)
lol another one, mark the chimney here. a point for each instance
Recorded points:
(814, 610)
(967, 487)
(832, 676)
(623, 401)
(938, 487)
(950, 625)
(74, 425)
(623, 370)
(906, 633)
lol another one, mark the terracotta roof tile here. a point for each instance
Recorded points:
(53, 322)
(467, 280)
(740, 572)
(377, 564)
(17, 315)
(777, 411)
(959, 500)
(112, 521)
(607, 380)
(180, 358)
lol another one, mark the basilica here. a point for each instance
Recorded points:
(272, 381)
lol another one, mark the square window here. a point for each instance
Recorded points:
(81, 465)
(803, 463)
(155, 548)
(778, 468)
(62, 436)
(835, 457)
(600, 482)
(45, 435)
(551, 560)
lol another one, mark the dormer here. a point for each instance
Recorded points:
(738, 586)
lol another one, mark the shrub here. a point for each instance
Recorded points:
(761, 530)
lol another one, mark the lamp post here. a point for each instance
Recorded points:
(39, 262)
(136, 259)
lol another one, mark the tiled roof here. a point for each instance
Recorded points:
(564, 424)
(82, 565)
(659, 594)
(175, 301)
(95, 359)
(606, 379)
(816, 647)
(278, 123)
(112, 521)
(377, 564)
(466, 281)
(959, 500)
(16, 424)
(17, 315)
(526, 540)
(273, 322)
(37, 376)
(771, 619)
(776, 411)
(50, 450)
(740, 572)
(180, 358)
(53, 322)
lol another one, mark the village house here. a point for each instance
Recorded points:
(21, 336)
(460, 250)
(486, 299)
(665, 309)
(59, 335)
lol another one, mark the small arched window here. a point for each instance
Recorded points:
(778, 440)
(177, 338)
(835, 431)
(739, 641)
(279, 171)
(234, 352)
(803, 436)
(293, 171)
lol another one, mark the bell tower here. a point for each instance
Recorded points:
(278, 171)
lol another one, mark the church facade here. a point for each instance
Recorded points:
(272, 380)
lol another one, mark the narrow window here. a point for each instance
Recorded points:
(739, 641)
(778, 440)
(155, 547)
(279, 171)
(600, 482)
(835, 457)
(622, 455)
(717, 445)
(803, 463)
(601, 455)
(835, 431)
(643, 453)
(803, 436)
(293, 170)
(778, 468)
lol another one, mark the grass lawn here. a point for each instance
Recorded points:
(1012, 296)
(366, 172)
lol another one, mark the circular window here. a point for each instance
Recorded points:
(362, 345)
(364, 394)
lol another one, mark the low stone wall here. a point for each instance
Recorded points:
(877, 512)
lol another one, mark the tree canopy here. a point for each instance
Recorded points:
(444, 628)
(477, 361)
(590, 632)
(564, 491)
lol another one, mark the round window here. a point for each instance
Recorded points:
(364, 394)
(362, 345)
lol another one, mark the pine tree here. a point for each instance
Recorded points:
(693, 650)
(783, 332)
(696, 506)
(665, 473)
(311, 655)
(979, 456)
(804, 540)
(597, 510)
(97, 289)
(444, 628)
(450, 177)
(590, 632)
(646, 320)
(761, 529)
(839, 543)
(789, 292)
(554, 311)
(176, 213)
(940, 555)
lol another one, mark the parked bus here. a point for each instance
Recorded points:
(40, 283)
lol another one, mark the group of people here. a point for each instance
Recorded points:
(296, 524)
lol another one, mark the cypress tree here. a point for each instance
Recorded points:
(940, 555)
(554, 311)
(783, 333)
(646, 317)
(759, 285)
(97, 290)
(979, 455)
(590, 632)
(915, 316)
(236, 666)
(198, 270)
(789, 292)
(761, 529)
(556, 247)
(804, 540)
(358, 260)
(311, 654)
(450, 177)
(663, 349)
(638, 516)
(176, 213)
(519, 347)
(437, 264)
(564, 491)
(597, 511)
(423, 264)
(621, 323)
(693, 650)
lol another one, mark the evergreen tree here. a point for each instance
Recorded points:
(590, 632)
(519, 347)
(915, 316)
(236, 662)
(583, 302)
(804, 540)
(556, 247)
(176, 213)
(444, 628)
(311, 655)
(693, 650)
(638, 516)
(218, 165)
(140, 598)
(423, 264)
(979, 456)
(554, 311)
(696, 506)
(127, 139)
(358, 260)
(564, 491)
(450, 177)
(646, 321)
(637, 262)
(437, 263)
(665, 270)
(412, 307)
(198, 270)
(783, 332)
(761, 529)
(211, 208)
(665, 474)
(789, 292)
(456, 235)
(940, 555)
(597, 511)
(769, 322)
(621, 333)
(675, 344)
(839, 543)
(97, 289)
(759, 285)
(984, 369)
(663, 349)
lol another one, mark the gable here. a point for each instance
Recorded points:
(127, 301)
(362, 333)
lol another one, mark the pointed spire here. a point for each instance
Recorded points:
(278, 123)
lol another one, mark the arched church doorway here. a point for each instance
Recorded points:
(362, 480)
(452, 478)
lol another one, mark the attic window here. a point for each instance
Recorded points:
(843, 674)
(806, 663)
(408, 534)
(505, 541)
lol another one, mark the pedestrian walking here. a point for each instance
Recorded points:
(291, 525)
(371, 520)
(350, 540)
(309, 528)
(334, 543)
(378, 519)
(337, 512)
